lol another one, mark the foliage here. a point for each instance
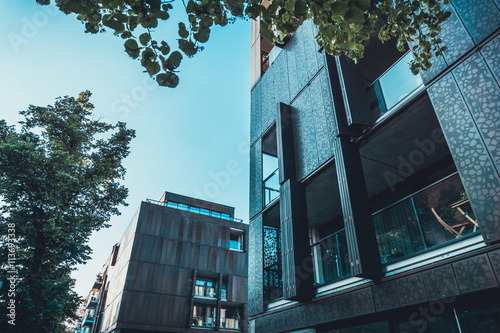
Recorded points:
(59, 182)
(343, 25)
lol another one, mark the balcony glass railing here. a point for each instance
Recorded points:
(432, 216)
(271, 187)
(331, 258)
(197, 210)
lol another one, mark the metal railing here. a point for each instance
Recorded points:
(434, 215)
(271, 187)
(196, 210)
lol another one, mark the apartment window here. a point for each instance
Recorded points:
(236, 240)
(223, 290)
(230, 318)
(205, 288)
(397, 83)
(204, 316)
(270, 174)
(432, 216)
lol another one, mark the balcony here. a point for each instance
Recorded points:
(271, 187)
(433, 216)
(331, 258)
(196, 210)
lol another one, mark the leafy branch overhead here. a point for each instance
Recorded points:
(343, 26)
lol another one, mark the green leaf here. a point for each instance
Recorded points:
(132, 48)
(164, 49)
(285, 17)
(162, 15)
(188, 47)
(144, 38)
(183, 33)
(153, 68)
(174, 60)
(355, 15)
(290, 5)
(202, 35)
(168, 79)
(300, 8)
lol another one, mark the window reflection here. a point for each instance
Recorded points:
(397, 83)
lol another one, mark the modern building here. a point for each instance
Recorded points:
(180, 267)
(375, 194)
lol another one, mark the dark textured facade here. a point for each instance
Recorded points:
(375, 194)
(180, 267)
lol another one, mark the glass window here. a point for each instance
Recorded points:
(270, 178)
(230, 318)
(223, 290)
(330, 258)
(430, 217)
(204, 316)
(215, 214)
(398, 82)
(172, 204)
(204, 211)
(225, 216)
(182, 206)
(205, 288)
(194, 209)
(236, 240)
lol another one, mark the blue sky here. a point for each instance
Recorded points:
(187, 137)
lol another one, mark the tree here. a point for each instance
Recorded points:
(343, 25)
(59, 182)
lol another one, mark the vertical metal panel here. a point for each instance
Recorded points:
(353, 91)
(482, 96)
(255, 113)
(256, 178)
(299, 142)
(454, 36)
(281, 84)
(284, 133)
(310, 48)
(362, 245)
(300, 56)
(268, 98)
(290, 49)
(297, 281)
(476, 169)
(481, 17)
(320, 121)
(255, 267)
(331, 122)
(491, 53)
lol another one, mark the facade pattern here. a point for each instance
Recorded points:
(389, 204)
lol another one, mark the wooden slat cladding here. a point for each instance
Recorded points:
(296, 253)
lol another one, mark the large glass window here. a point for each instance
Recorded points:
(397, 83)
(230, 318)
(204, 316)
(205, 288)
(435, 215)
(330, 258)
(236, 240)
(270, 178)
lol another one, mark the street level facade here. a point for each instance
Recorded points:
(374, 193)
